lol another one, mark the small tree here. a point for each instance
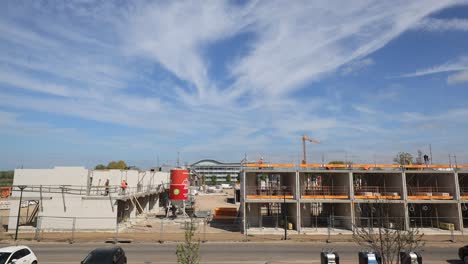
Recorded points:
(118, 165)
(100, 167)
(188, 252)
(386, 239)
(214, 180)
(228, 178)
(336, 162)
(403, 158)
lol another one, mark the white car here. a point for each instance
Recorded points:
(18, 255)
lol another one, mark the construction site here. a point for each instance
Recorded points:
(314, 196)
(269, 199)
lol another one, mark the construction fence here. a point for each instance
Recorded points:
(270, 228)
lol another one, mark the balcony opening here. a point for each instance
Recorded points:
(430, 186)
(324, 185)
(433, 216)
(382, 186)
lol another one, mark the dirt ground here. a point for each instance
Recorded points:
(211, 201)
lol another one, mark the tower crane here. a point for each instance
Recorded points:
(304, 139)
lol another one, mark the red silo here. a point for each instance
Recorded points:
(179, 184)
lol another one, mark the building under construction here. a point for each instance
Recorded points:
(82, 199)
(344, 197)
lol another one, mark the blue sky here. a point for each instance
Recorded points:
(86, 82)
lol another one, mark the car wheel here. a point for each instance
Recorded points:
(465, 260)
(34, 262)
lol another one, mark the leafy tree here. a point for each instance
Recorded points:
(188, 252)
(214, 180)
(118, 165)
(403, 158)
(336, 162)
(100, 167)
(228, 178)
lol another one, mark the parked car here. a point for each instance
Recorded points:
(17, 254)
(106, 255)
(463, 253)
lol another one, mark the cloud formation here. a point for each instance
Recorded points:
(440, 25)
(152, 65)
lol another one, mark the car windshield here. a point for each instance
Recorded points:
(4, 257)
(98, 258)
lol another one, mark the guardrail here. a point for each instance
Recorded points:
(430, 193)
(255, 192)
(363, 166)
(325, 192)
(87, 190)
(377, 192)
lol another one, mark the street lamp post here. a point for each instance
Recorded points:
(285, 214)
(21, 187)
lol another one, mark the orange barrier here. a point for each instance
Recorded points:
(378, 197)
(225, 212)
(314, 165)
(336, 166)
(439, 166)
(427, 197)
(269, 196)
(356, 166)
(363, 166)
(272, 165)
(415, 166)
(324, 196)
(388, 166)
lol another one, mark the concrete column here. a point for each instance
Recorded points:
(458, 198)
(298, 188)
(405, 190)
(352, 215)
(405, 199)
(457, 186)
(460, 217)
(298, 217)
(406, 214)
(242, 200)
(298, 204)
(351, 198)
(351, 186)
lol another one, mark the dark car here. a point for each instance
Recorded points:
(106, 255)
(463, 253)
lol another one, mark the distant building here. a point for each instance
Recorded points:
(221, 170)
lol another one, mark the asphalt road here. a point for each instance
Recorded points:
(244, 253)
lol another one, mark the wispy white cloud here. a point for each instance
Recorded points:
(439, 25)
(457, 78)
(363, 109)
(356, 66)
(457, 65)
(147, 65)
(304, 42)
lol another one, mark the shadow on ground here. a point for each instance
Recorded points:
(454, 261)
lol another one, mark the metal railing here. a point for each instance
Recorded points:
(255, 192)
(325, 191)
(430, 192)
(378, 192)
(91, 190)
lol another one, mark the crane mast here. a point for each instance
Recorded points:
(304, 139)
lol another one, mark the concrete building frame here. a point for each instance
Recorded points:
(423, 197)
